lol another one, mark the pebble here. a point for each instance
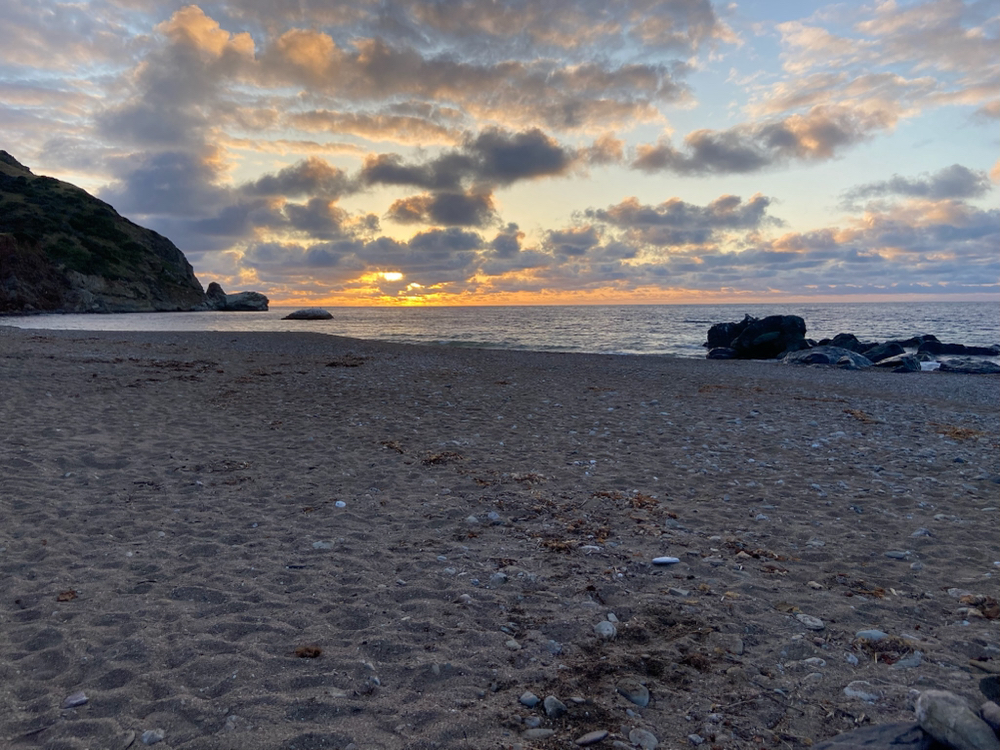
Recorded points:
(606, 630)
(152, 736)
(529, 699)
(695, 739)
(322, 545)
(472, 520)
(634, 691)
(538, 734)
(644, 739)
(909, 662)
(75, 699)
(851, 659)
(340, 504)
(871, 635)
(861, 689)
(665, 560)
(916, 566)
(513, 645)
(921, 532)
(810, 622)
(554, 708)
(897, 554)
(532, 722)
(591, 738)
(947, 718)
(497, 580)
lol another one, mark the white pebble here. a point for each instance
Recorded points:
(665, 560)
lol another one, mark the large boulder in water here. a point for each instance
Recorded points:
(770, 337)
(722, 335)
(216, 299)
(309, 313)
(883, 351)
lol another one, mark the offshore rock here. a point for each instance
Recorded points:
(883, 351)
(309, 313)
(217, 300)
(771, 337)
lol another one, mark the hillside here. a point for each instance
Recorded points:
(61, 249)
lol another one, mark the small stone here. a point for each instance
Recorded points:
(947, 718)
(340, 504)
(529, 699)
(75, 699)
(695, 739)
(665, 560)
(815, 586)
(897, 554)
(554, 708)
(152, 736)
(909, 662)
(532, 722)
(591, 738)
(851, 659)
(322, 545)
(497, 580)
(606, 630)
(916, 565)
(921, 532)
(633, 690)
(554, 647)
(812, 623)
(863, 690)
(678, 592)
(512, 645)
(872, 635)
(538, 734)
(644, 739)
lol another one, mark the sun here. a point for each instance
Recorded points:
(391, 275)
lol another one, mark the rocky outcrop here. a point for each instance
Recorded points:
(828, 355)
(753, 338)
(309, 313)
(63, 250)
(217, 300)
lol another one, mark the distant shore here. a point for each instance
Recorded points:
(191, 517)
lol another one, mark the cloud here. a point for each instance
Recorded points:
(445, 208)
(312, 176)
(955, 181)
(817, 135)
(675, 222)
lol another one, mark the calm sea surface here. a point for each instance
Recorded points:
(678, 330)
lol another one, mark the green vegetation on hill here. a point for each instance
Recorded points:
(55, 236)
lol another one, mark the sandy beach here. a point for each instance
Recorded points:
(255, 541)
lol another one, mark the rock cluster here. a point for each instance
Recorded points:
(783, 337)
(217, 300)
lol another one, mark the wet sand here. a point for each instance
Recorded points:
(187, 520)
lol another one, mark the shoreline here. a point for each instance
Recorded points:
(185, 485)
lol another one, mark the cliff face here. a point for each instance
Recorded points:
(61, 249)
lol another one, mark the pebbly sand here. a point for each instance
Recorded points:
(186, 520)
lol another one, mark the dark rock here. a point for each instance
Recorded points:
(990, 687)
(721, 352)
(770, 337)
(936, 348)
(969, 366)
(904, 735)
(828, 355)
(309, 313)
(723, 334)
(915, 342)
(63, 250)
(878, 352)
(845, 341)
(899, 363)
(215, 297)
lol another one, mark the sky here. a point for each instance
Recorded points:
(406, 152)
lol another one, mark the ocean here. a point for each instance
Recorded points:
(674, 330)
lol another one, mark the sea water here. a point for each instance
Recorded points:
(676, 330)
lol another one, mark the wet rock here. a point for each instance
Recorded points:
(880, 352)
(538, 734)
(634, 691)
(990, 687)
(990, 712)
(936, 348)
(872, 635)
(896, 736)
(969, 366)
(828, 355)
(949, 720)
(152, 736)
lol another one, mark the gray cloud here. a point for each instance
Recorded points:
(955, 181)
(312, 177)
(818, 135)
(445, 208)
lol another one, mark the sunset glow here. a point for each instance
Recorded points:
(535, 152)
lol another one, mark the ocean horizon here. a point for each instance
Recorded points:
(672, 330)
